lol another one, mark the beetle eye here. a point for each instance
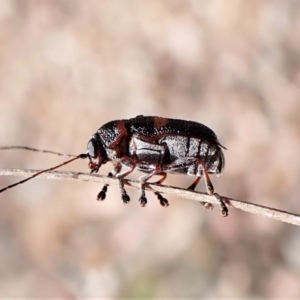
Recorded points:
(91, 148)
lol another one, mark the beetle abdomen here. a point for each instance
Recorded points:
(206, 153)
(212, 156)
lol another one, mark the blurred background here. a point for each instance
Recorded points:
(68, 67)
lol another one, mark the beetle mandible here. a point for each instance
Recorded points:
(155, 146)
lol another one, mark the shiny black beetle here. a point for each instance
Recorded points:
(155, 146)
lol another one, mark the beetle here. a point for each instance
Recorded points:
(154, 146)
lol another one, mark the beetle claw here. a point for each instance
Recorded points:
(102, 194)
(224, 209)
(143, 200)
(207, 206)
(224, 212)
(163, 201)
(125, 198)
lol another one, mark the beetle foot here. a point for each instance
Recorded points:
(102, 194)
(163, 201)
(224, 209)
(125, 198)
(143, 200)
(207, 205)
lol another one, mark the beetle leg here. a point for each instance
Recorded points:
(177, 164)
(163, 201)
(224, 209)
(128, 162)
(102, 194)
(160, 181)
(143, 180)
(210, 191)
(194, 184)
(192, 187)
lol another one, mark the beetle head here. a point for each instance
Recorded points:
(96, 153)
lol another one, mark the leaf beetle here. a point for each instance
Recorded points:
(154, 146)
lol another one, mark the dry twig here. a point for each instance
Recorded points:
(182, 193)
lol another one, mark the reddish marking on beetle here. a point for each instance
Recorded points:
(121, 128)
(160, 122)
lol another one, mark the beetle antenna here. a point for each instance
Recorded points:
(35, 150)
(43, 171)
